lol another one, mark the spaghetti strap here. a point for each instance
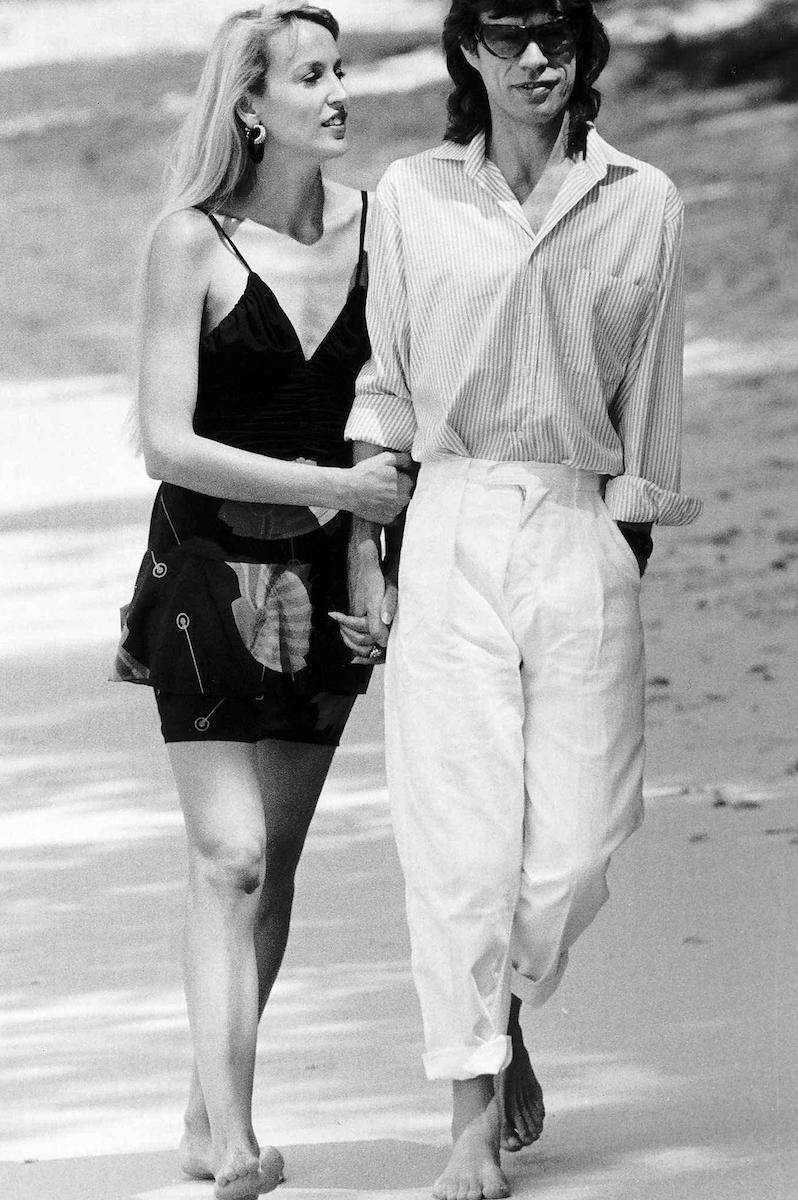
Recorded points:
(230, 242)
(364, 196)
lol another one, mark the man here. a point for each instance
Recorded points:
(525, 312)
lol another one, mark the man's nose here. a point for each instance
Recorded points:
(533, 56)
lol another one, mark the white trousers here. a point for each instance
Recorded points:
(514, 733)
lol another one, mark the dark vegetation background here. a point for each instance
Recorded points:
(82, 148)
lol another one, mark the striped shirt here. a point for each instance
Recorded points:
(493, 341)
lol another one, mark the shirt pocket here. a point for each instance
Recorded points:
(599, 316)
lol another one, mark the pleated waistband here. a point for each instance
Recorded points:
(521, 474)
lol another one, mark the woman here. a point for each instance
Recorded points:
(253, 335)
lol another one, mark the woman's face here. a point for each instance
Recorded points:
(303, 106)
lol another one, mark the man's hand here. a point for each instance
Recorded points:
(638, 535)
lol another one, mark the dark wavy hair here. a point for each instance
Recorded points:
(469, 110)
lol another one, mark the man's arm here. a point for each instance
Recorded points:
(382, 416)
(647, 409)
(382, 413)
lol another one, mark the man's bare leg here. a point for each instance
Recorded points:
(518, 1092)
(292, 776)
(473, 1171)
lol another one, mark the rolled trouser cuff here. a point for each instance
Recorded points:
(467, 1062)
(536, 992)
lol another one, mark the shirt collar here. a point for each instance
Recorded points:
(472, 153)
(599, 157)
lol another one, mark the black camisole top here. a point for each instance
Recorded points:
(259, 392)
(232, 598)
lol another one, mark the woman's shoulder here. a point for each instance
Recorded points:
(185, 236)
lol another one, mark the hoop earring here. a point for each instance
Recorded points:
(256, 136)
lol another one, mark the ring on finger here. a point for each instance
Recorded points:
(375, 652)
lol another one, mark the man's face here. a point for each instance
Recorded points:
(528, 84)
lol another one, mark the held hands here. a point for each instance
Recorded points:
(373, 597)
(381, 487)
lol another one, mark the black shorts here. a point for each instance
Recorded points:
(317, 720)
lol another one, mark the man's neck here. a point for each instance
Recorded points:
(524, 154)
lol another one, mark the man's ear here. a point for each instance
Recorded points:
(471, 57)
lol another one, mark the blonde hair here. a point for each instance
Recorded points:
(210, 164)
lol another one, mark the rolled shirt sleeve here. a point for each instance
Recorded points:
(647, 408)
(382, 413)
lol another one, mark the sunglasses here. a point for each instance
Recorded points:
(555, 39)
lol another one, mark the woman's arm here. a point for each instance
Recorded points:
(373, 578)
(178, 272)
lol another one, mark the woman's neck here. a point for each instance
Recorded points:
(287, 198)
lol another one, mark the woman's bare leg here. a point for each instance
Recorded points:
(219, 791)
(291, 776)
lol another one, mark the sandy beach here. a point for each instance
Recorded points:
(668, 1056)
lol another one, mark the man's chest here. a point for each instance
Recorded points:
(539, 202)
(480, 243)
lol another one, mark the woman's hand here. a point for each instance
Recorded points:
(381, 487)
(373, 597)
(358, 639)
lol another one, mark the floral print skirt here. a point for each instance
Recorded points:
(232, 599)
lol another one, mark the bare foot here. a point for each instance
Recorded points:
(519, 1095)
(244, 1176)
(196, 1151)
(473, 1171)
(195, 1155)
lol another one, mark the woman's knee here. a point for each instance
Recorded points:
(229, 862)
